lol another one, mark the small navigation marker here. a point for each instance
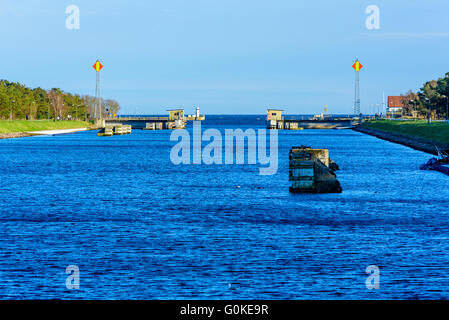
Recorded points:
(97, 66)
(357, 66)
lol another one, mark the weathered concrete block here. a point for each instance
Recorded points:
(310, 171)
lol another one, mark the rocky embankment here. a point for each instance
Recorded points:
(409, 141)
(42, 132)
(14, 135)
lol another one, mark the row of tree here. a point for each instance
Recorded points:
(20, 102)
(433, 95)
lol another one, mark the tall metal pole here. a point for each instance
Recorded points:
(357, 66)
(97, 97)
(97, 112)
(357, 94)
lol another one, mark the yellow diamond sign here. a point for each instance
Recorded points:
(97, 66)
(357, 66)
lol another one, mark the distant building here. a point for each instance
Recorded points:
(395, 107)
(195, 117)
(274, 114)
(275, 120)
(176, 114)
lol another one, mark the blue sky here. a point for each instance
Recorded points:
(227, 56)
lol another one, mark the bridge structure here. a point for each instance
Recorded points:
(136, 122)
(275, 120)
(175, 120)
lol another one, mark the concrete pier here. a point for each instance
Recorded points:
(116, 129)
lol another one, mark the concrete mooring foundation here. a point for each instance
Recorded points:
(311, 171)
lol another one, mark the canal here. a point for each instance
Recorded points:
(139, 227)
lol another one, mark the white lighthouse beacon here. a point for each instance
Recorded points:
(197, 112)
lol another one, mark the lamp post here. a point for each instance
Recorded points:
(429, 114)
(447, 107)
(10, 111)
(414, 108)
(31, 112)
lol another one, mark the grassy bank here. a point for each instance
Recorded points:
(438, 131)
(25, 125)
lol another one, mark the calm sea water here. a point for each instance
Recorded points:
(139, 227)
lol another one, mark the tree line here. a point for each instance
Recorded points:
(433, 95)
(20, 102)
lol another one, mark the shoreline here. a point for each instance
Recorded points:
(54, 132)
(416, 143)
(12, 135)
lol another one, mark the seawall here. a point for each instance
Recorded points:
(409, 141)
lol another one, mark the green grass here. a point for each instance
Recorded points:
(25, 125)
(438, 131)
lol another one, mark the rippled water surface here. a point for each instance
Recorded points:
(140, 227)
